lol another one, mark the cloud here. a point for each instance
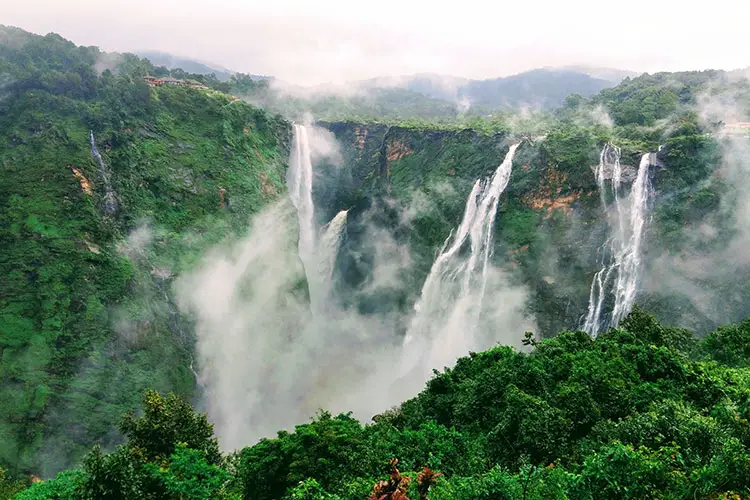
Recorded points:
(323, 144)
(710, 269)
(330, 41)
(266, 360)
(107, 61)
(136, 244)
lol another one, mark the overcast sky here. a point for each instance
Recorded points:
(309, 41)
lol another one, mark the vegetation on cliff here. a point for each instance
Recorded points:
(87, 321)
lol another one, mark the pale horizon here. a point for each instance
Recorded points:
(335, 42)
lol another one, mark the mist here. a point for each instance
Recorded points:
(329, 41)
(708, 271)
(269, 359)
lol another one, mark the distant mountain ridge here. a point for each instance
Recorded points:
(542, 87)
(171, 61)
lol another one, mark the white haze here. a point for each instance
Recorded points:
(337, 41)
(686, 272)
(267, 362)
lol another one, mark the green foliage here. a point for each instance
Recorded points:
(567, 149)
(166, 421)
(309, 489)
(64, 486)
(326, 449)
(85, 324)
(519, 226)
(170, 453)
(9, 486)
(612, 471)
(729, 345)
(643, 411)
(648, 98)
(189, 476)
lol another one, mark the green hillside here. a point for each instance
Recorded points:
(87, 321)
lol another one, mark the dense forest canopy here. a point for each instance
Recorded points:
(643, 411)
(120, 176)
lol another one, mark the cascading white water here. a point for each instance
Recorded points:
(610, 155)
(629, 260)
(451, 300)
(317, 254)
(299, 182)
(328, 247)
(620, 255)
(110, 200)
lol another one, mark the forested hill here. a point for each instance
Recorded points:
(90, 245)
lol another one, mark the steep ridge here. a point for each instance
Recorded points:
(110, 189)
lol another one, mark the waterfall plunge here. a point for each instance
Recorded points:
(451, 300)
(620, 256)
(328, 248)
(299, 183)
(318, 255)
(110, 198)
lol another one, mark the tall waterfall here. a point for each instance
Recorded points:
(328, 248)
(630, 258)
(110, 199)
(620, 256)
(451, 299)
(317, 255)
(299, 182)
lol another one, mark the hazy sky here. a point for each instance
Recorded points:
(308, 41)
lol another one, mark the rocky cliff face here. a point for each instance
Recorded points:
(413, 183)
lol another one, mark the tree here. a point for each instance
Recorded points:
(187, 475)
(166, 421)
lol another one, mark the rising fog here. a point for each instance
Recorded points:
(705, 270)
(336, 41)
(268, 360)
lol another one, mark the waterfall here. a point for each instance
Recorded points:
(448, 309)
(110, 200)
(328, 248)
(318, 255)
(619, 256)
(629, 260)
(299, 183)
